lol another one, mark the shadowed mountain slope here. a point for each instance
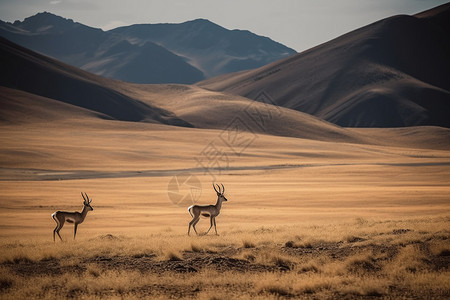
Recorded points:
(24, 70)
(17, 107)
(99, 52)
(209, 47)
(392, 73)
(160, 53)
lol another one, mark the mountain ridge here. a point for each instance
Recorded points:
(391, 73)
(35, 89)
(26, 74)
(203, 41)
(146, 60)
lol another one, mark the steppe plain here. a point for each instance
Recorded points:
(304, 218)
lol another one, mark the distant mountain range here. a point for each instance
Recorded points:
(36, 88)
(146, 53)
(392, 73)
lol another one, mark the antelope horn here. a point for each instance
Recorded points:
(220, 190)
(87, 197)
(223, 188)
(83, 197)
(215, 188)
(89, 200)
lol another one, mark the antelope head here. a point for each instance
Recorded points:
(87, 201)
(220, 192)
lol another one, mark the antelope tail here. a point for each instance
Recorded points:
(189, 210)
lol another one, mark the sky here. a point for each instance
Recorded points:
(299, 24)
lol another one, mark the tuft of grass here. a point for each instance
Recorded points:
(283, 262)
(250, 257)
(310, 267)
(305, 244)
(196, 248)
(93, 270)
(248, 244)
(290, 244)
(361, 221)
(275, 289)
(361, 264)
(354, 239)
(273, 257)
(280, 286)
(365, 287)
(173, 255)
(410, 259)
(317, 283)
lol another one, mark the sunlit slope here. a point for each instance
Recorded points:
(38, 133)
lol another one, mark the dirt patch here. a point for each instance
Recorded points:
(42, 267)
(190, 262)
(401, 231)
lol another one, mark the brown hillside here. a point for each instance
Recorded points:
(392, 73)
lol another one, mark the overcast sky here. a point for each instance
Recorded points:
(299, 24)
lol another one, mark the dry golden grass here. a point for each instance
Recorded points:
(304, 218)
(172, 265)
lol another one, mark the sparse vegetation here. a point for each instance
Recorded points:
(170, 265)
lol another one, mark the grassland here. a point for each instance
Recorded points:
(313, 232)
(304, 218)
(365, 258)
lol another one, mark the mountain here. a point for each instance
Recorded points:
(99, 52)
(59, 122)
(209, 47)
(159, 53)
(392, 73)
(24, 70)
(34, 86)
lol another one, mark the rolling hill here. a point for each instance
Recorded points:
(146, 53)
(392, 73)
(180, 105)
(25, 70)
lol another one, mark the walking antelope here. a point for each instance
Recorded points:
(211, 211)
(75, 217)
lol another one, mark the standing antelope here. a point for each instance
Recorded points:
(211, 211)
(75, 217)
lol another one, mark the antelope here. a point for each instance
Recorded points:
(211, 211)
(75, 217)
